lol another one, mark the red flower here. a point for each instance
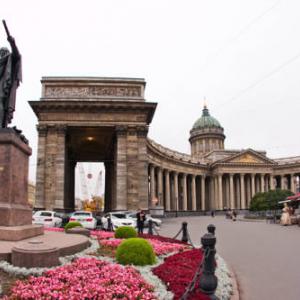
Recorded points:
(178, 271)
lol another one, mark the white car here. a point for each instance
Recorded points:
(47, 218)
(156, 222)
(118, 219)
(85, 218)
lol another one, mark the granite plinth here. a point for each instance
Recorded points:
(14, 155)
(67, 244)
(35, 253)
(18, 233)
(78, 230)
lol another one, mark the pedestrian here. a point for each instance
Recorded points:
(141, 217)
(212, 213)
(234, 215)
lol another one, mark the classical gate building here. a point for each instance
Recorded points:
(106, 120)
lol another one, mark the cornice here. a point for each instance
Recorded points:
(173, 156)
(93, 106)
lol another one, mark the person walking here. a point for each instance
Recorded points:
(141, 217)
(234, 215)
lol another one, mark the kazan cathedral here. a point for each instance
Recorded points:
(213, 178)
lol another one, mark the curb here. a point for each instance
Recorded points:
(235, 286)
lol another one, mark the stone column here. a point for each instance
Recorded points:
(292, 183)
(135, 171)
(184, 187)
(142, 163)
(216, 193)
(227, 193)
(160, 187)
(203, 192)
(60, 167)
(272, 182)
(194, 203)
(54, 168)
(248, 189)
(167, 180)
(152, 183)
(243, 202)
(121, 168)
(262, 182)
(175, 174)
(40, 170)
(220, 188)
(231, 192)
(252, 185)
(267, 182)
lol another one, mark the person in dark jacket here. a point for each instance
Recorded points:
(140, 217)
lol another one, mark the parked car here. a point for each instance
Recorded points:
(117, 219)
(47, 218)
(85, 218)
(132, 215)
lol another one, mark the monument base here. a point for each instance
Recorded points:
(17, 233)
(14, 156)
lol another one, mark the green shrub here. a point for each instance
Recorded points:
(136, 251)
(72, 225)
(125, 232)
(268, 200)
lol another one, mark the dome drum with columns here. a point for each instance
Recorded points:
(206, 135)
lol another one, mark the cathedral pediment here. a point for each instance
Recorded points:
(247, 157)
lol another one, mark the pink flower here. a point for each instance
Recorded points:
(86, 278)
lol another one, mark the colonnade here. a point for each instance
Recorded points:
(178, 191)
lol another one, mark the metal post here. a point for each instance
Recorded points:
(211, 229)
(208, 281)
(150, 227)
(184, 232)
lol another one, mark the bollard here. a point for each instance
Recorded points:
(109, 224)
(150, 227)
(184, 232)
(211, 229)
(208, 281)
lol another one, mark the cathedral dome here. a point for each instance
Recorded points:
(206, 135)
(206, 121)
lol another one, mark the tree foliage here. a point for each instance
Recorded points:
(268, 200)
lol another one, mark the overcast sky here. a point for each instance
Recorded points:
(242, 55)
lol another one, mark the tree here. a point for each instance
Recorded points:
(268, 200)
(258, 202)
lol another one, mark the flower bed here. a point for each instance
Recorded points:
(86, 278)
(88, 274)
(160, 248)
(184, 265)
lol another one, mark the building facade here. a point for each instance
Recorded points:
(107, 119)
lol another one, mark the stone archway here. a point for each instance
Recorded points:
(92, 119)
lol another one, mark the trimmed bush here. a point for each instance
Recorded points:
(72, 225)
(135, 251)
(125, 232)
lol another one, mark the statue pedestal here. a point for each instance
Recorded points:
(14, 207)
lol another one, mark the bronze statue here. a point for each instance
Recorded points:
(10, 77)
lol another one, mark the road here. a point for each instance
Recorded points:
(265, 257)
